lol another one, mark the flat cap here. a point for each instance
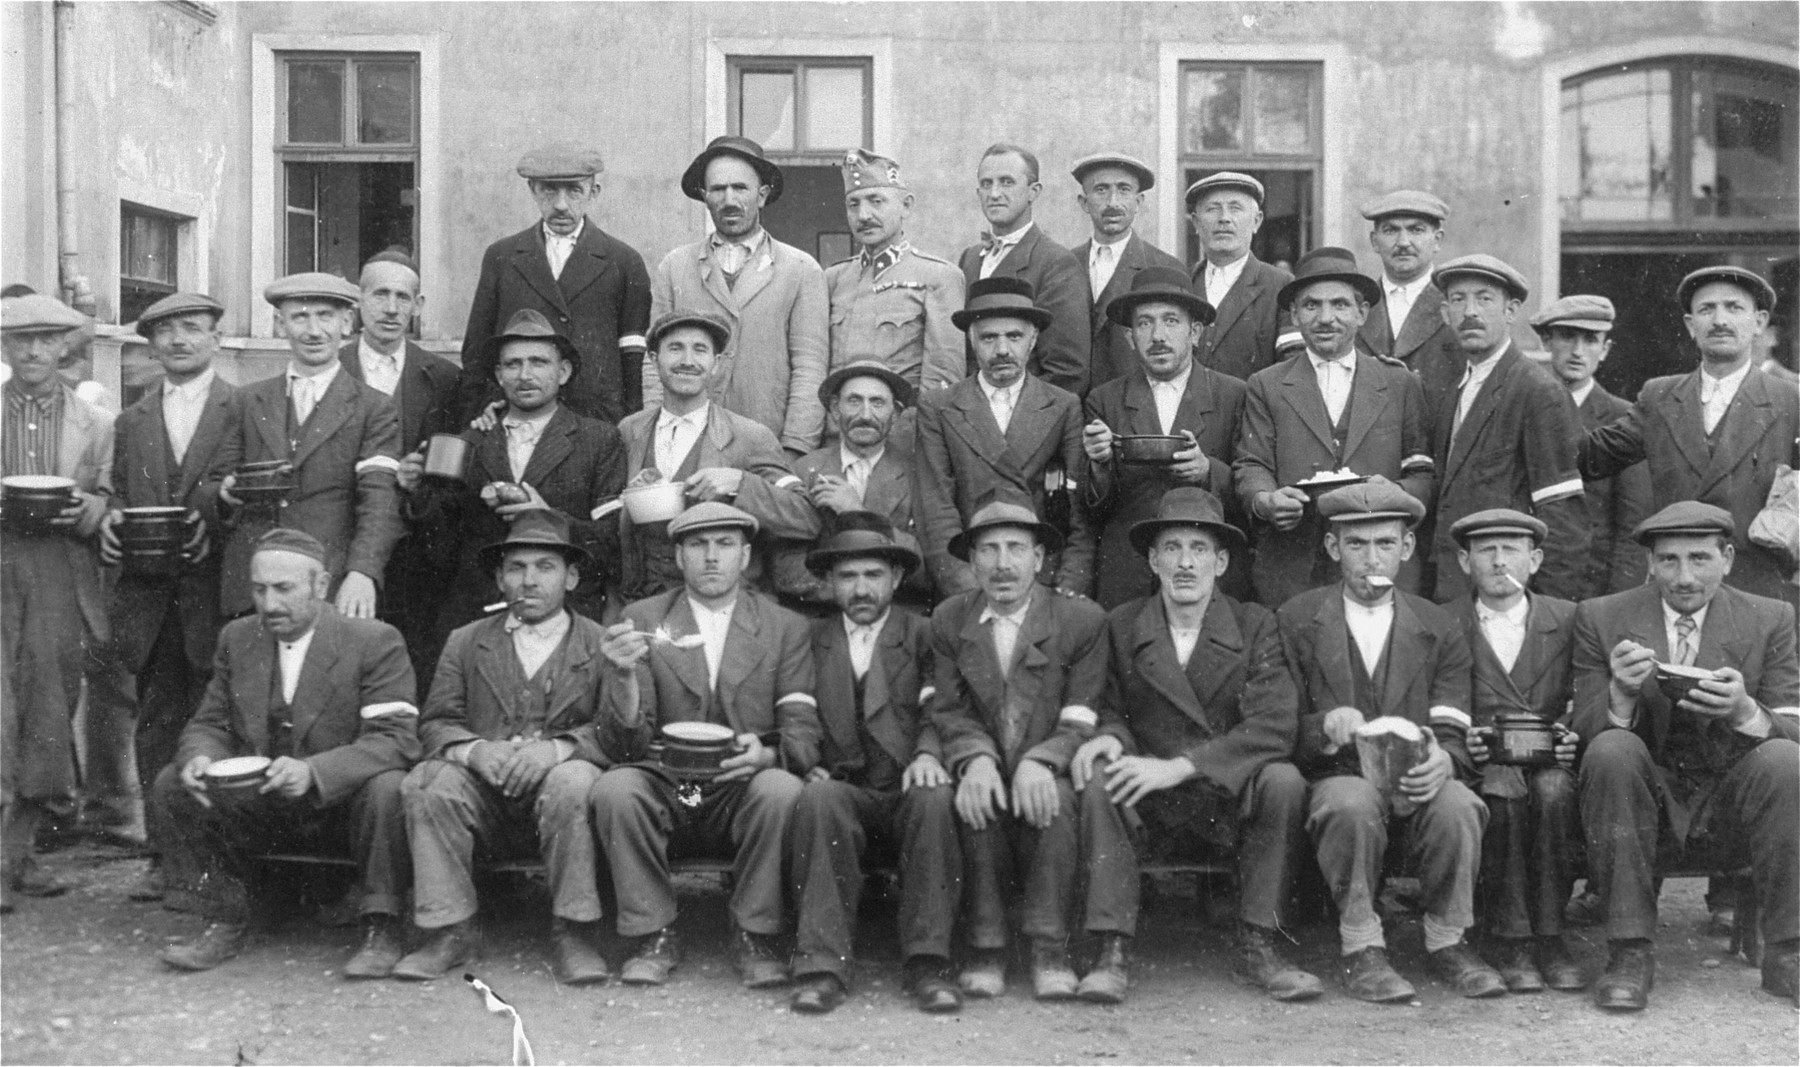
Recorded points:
(1498, 522)
(1141, 170)
(1482, 265)
(37, 313)
(312, 285)
(1751, 282)
(287, 539)
(1225, 179)
(712, 515)
(705, 320)
(904, 393)
(1405, 202)
(866, 170)
(560, 162)
(177, 304)
(1582, 311)
(1368, 501)
(1689, 518)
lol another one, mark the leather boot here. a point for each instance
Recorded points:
(1051, 976)
(1516, 960)
(445, 948)
(758, 964)
(984, 973)
(1558, 967)
(1781, 970)
(656, 957)
(1260, 963)
(574, 959)
(818, 994)
(928, 979)
(1630, 975)
(219, 942)
(1462, 970)
(383, 945)
(1369, 976)
(1110, 976)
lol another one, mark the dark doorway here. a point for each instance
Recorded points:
(810, 213)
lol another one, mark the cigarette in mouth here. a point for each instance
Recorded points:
(498, 604)
(1380, 581)
(1514, 581)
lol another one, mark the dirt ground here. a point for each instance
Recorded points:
(80, 983)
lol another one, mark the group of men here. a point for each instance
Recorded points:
(902, 481)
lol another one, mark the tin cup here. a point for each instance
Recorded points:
(446, 458)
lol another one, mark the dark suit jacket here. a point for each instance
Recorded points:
(1120, 494)
(353, 711)
(578, 467)
(344, 461)
(1516, 450)
(427, 402)
(1753, 439)
(1753, 634)
(889, 495)
(1425, 344)
(962, 455)
(1230, 711)
(1285, 436)
(601, 299)
(1112, 355)
(1541, 682)
(1428, 669)
(766, 681)
(474, 697)
(1057, 680)
(141, 455)
(1241, 340)
(1615, 506)
(1060, 282)
(895, 693)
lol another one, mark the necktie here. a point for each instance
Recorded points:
(1006, 637)
(302, 390)
(1098, 275)
(1685, 645)
(857, 474)
(666, 459)
(1002, 405)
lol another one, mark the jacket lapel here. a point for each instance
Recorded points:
(1218, 652)
(529, 259)
(744, 651)
(837, 685)
(713, 278)
(1462, 438)
(758, 272)
(1534, 658)
(975, 422)
(1196, 404)
(1743, 426)
(1027, 677)
(328, 416)
(555, 445)
(1409, 646)
(1331, 650)
(267, 408)
(887, 483)
(689, 664)
(1421, 322)
(1237, 299)
(415, 397)
(1026, 432)
(889, 662)
(1155, 662)
(585, 265)
(576, 681)
(979, 664)
(493, 651)
(1300, 388)
(205, 440)
(1687, 423)
(315, 688)
(1368, 399)
(152, 446)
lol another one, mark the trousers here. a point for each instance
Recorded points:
(1009, 857)
(451, 814)
(1526, 856)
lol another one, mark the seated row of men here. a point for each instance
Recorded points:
(1018, 744)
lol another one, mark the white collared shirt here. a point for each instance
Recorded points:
(522, 435)
(1219, 280)
(713, 626)
(558, 249)
(676, 436)
(182, 406)
(991, 257)
(291, 657)
(1670, 617)
(1401, 297)
(733, 256)
(1369, 628)
(380, 370)
(857, 469)
(308, 389)
(1579, 393)
(1504, 630)
(1005, 629)
(1103, 263)
(1002, 402)
(1335, 379)
(862, 641)
(1716, 395)
(534, 643)
(1474, 376)
(1167, 396)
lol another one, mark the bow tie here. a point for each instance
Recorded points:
(989, 242)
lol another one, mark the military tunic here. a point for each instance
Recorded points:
(898, 313)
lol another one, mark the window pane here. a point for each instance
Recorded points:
(766, 109)
(1619, 130)
(302, 186)
(316, 102)
(1744, 161)
(1283, 111)
(1213, 116)
(147, 246)
(384, 103)
(834, 108)
(300, 251)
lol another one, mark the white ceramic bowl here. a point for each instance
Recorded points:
(658, 502)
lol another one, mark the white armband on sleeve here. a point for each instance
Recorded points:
(1572, 487)
(632, 340)
(387, 708)
(606, 509)
(1420, 462)
(787, 481)
(798, 698)
(378, 463)
(1080, 714)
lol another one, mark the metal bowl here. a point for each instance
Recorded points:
(1325, 481)
(1149, 448)
(1676, 681)
(694, 750)
(1522, 741)
(32, 500)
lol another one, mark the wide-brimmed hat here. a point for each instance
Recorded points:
(1185, 505)
(861, 535)
(1749, 281)
(1481, 265)
(904, 393)
(1146, 178)
(693, 180)
(536, 528)
(528, 324)
(177, 304)
(1328, 264)
(1005, 509)
(1164, 284)
(1003, 296)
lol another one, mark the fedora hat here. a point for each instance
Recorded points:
(1005, 509)
(1001, 297)
(528, 324)
(537, 528)
(1328, 264)
(861, 535)
(1186, 505)
(1165, 284)
(693, 180)
(904, 393)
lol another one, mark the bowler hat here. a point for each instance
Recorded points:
(904, 393)
(536, 528)
(37, 313)
(704, 320)
(288, 539)
(1406, 202)
(1481, 265)
(529, 324)
(1224, 179)
(1328, 263)
(177, 304)
(693, 180)
(866, 170)
(1498, 522)
(861, 535)
(1005, 508)
(1369, 501)
(712, 515)
(1146, 178)
(1749, 281)
(1186, 506)
(1003, 296)
(1580, 311)
(312, 285)
(1164, 284)
(1685, 518)
(560, 162)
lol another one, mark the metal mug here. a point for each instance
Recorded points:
(446, 457)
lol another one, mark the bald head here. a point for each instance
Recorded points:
(390, 299)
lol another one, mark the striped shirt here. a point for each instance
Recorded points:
(33, 431)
